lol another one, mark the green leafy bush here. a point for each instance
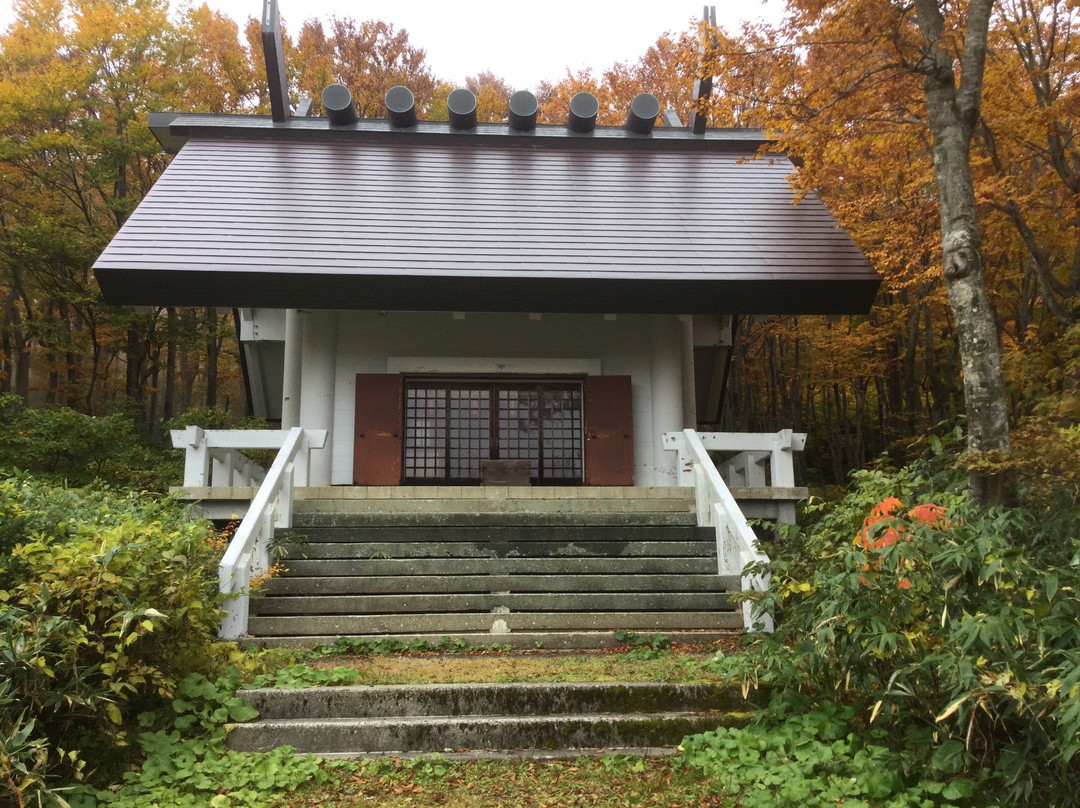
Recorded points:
(65, 445)
(109, 601)
(956, 628)
(206, 417)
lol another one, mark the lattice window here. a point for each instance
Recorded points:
(470, 431)
(425, 432)
(451, 426)
(561, 427)
(519, 426)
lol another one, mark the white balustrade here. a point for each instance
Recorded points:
(214, 458)
(736, 544)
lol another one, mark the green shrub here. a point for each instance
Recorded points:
(206, 417)
(959, 629)
(65, 445)
(109, 602)
(25, 757)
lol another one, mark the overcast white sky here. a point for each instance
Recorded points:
(524, 43)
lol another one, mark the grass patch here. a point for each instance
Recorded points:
(521, 667)
(433, 781)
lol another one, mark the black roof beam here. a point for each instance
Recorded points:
(274, 55)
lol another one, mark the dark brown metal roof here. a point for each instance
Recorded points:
(364, 217)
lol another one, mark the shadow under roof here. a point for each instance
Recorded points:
(304, 215)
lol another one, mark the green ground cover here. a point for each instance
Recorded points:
(532, 667)
(604, 781)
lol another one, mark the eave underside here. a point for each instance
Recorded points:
(313, 290)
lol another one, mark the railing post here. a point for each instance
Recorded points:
(781, 465)
(734, 472)
(753, 615)
(284, 509)
(260, 552)
(723, 562)
(234, 623)
(685, 466)
(196, 456)
(302, 463)
(222, 468)
(243, 475)
(702, 498)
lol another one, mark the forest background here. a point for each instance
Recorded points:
(77, 80)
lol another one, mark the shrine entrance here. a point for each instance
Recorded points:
(453, 425)
(444, 430)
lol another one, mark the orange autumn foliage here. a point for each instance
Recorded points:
(891, 509)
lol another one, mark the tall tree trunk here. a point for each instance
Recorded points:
(953, 111)
(7, 342)
(213, 348)
(169, 397)
(134, 388)
(188, 361)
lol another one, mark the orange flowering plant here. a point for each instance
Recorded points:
(888, 524)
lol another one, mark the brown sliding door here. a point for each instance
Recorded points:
(609, 431)
(377, 448)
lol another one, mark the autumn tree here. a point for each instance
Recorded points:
(1028, 179)
(220, 72)
(844, 67)
(77, 78)
(367, 57)
(953, 104)
(492, 96)
(663, 70)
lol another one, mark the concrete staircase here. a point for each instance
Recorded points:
(559, 567)
(517, 719)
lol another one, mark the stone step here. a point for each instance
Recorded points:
(291, 584)
(457, 561)
(492, 492)
(504, 717)
(522, 640)
(490, 698)
(515, 603)
(680, 511)
(499, 566)
(500, 549)
(358, 736)
(488, 531)
(503, 623)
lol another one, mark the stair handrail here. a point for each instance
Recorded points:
(736, 544)
(248, 553)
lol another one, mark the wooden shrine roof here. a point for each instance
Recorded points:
(304, 214)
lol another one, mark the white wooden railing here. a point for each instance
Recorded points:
(736, 544)
(764, 459)
(248, 553)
